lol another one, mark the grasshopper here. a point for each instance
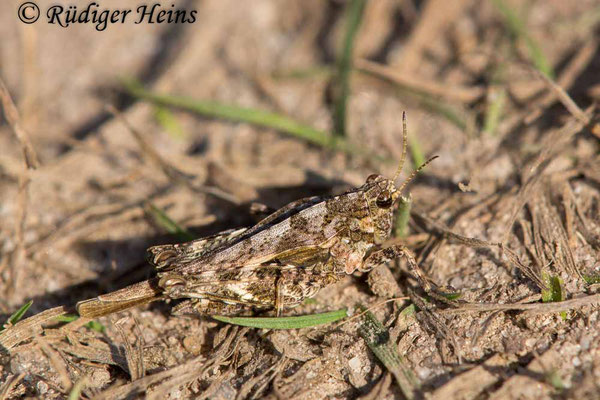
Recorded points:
(276, 264)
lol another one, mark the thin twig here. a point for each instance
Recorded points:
(564, 97)
(464, 94)
(534, 308)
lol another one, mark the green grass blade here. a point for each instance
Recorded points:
(555, 291)
(402, 216)
(163, 220)
(77, 388)
(518, 29)
(96, 326)
(17, 315)
(93, 325)
(415, 151)
(344, 65)
(314, 72)
(267, 119)
(452, 296)
(169, 122)
(494, 111)
(67, 318)
(377, 338)
(591, 279)
(302, 321)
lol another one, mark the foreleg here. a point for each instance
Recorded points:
(387, 254)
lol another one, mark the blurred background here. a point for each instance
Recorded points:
(142, 134)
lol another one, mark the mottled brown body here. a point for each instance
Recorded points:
(284, 259)
(276, 264)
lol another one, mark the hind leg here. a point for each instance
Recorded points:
(207, 307)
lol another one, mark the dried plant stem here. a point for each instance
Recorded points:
(534, 308)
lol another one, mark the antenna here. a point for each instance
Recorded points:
(404, 140)
(414, 173)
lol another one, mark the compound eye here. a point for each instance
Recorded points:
(171, 281)
(384, 200)
(372, 178)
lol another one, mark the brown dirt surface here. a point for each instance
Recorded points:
(518, 170)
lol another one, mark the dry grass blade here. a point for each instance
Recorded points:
(378, 339)
(7, 387)
(29, 327)
(433, 88)
(532, 272)
(194, 366)
(553, 143)
(380, 390)
(567, 77)
(31, 162)
(262, 380)
(437, 324)
(98, 352)
(12, 116)
(57, 362)
(553, 234)
(176, 376)
(134, 356)
(564, 98)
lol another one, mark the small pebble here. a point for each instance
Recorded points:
(100, 377)
(192, 344)
(355, 363)
(42, 387)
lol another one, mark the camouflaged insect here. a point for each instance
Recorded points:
(276, 264)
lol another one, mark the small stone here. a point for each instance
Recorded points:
(192, 344)
(355, 363)
(99, 378)
(42, 387)
(585, 342)
(382, 282)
